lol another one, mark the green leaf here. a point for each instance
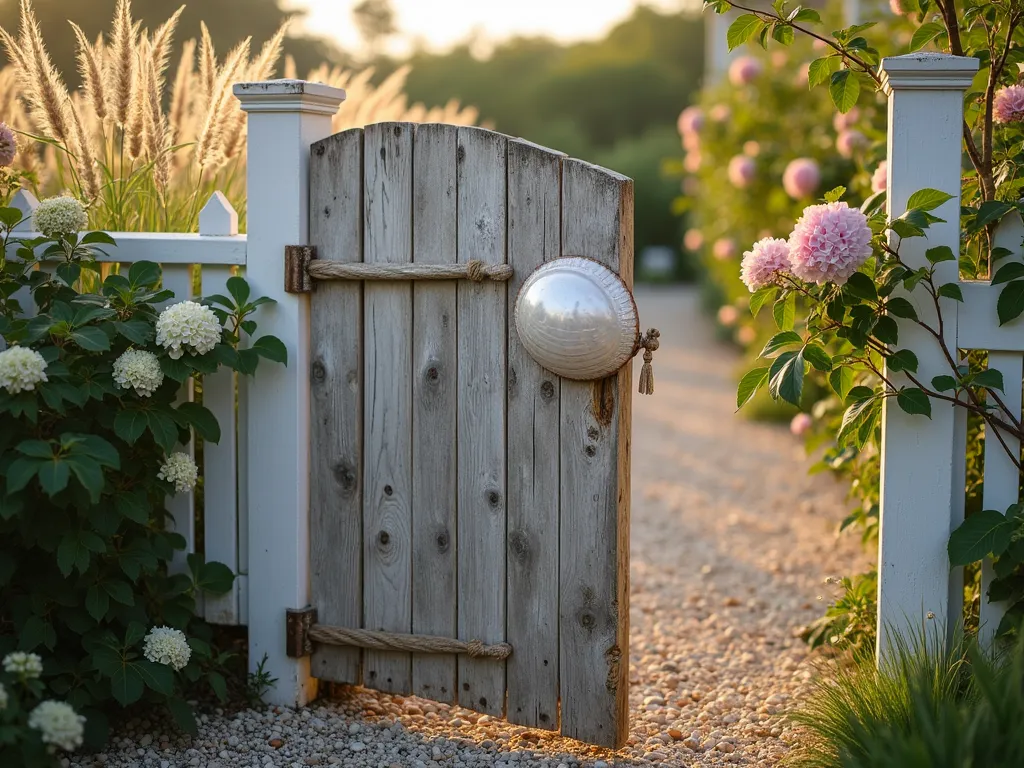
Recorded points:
(218, 685)
(787, 377)
(862, 286)
(951, 291)
(928, 200)
(740, 31)
(821, 69)
(1010, 303)
(943, 383)
(1012, 270)
(89, 473)
(239, 290)
(20, 472)
(991, 211)
(163, 428)
(783, 33)
(818, 357)
(939, 253)
(129, 424)
(91, 339)
(54, 476)
(760, 297)
(157, 677)
(991, 378)
(784, 312)
(914, 401)
(215, 578)
(134, 506)
(925, 34)
(71, 553)
(126, 684)
(90, 238)
(984, 533)
(183, 716)
(202, 419)
(901, 307)
(835, 195)
(841, 380)
(136, 331)
(749, 384)
(886, 330)
(800, 15)
(844, 88)
(271, 348)
(121, 592)
(144, 274)
(780, 341)
(902, 360)
(39, 449)
(97, 601)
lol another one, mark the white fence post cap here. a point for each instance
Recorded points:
(289, 96)
(925, 70)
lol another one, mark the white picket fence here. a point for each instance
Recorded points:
(923, 460)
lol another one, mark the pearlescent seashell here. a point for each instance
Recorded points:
(577, 318)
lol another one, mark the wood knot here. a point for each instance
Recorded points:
(547, 390)
(318, 371)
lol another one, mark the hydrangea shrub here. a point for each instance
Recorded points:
(89, 374)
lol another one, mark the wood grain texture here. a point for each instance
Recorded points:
(597, 222)
(481, 158)
(220, 462)
(534, 236)
(182, 506)
(434, 376)
(336, 401)
(387, 409)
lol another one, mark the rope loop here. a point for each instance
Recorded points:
(476, 270)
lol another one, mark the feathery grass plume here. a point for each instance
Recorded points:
(207, 66)
(291, 71)
(120, 69)
(181, 91)
(135, 130)
(162, 40)
(210, 145)
(47, 95)
(83, 158)
(262, 67)
(90, 65)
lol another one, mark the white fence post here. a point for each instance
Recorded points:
(285, 118)
(919, 501)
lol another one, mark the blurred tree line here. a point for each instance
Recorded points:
(612, 101)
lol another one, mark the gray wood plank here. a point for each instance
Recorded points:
(387, 410)
(433, 411)
(481, 417)
(597, 222)
(336, 406)
(534, 236)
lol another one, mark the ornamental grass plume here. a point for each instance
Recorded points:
(21, 369)
(764, 262)
(879, 179)
(741, 171)
(801, 178)
(59, 724)
(744, 70)
(1008, 104)
(829, 243)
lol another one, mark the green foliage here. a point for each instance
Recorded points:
(849, 621)
(928, 706)
(85, 545)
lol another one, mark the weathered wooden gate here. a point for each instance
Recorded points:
(458, 489)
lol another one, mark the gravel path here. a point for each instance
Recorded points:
(731, 542)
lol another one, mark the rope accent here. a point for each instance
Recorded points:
(474, 270)
(649, 343)
(389, 641)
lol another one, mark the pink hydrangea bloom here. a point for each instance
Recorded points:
(691, 186)
(691, 120)
(801, 424)
(801, 178)
(841, 121)
(1008, 105)
(751, 149)
(746, 335)
(693, 239)
(8, 145)
(741, 171)
(744, 70)
(762, 264)
(728, 315)
(779, 59)
(691, 141)
(720, 113)
(724, 248)
(849, 141)
(878, 178)
(829, 243)
(692, 161)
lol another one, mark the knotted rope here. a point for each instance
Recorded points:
(648, 342)
(388, 641)
(475, 270)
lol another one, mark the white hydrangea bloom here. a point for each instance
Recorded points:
(164, 645)
(180, 470)
(139, 370)
(21, 369)
(23, 664)
(187, 324)
(3, 697)
(58, 216)
(60, 725)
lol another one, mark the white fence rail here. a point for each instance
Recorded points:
(924, 460)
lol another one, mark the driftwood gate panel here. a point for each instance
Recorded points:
(458, 489)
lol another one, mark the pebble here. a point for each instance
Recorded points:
(731, 541)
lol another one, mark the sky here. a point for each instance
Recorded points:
(441, 23)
